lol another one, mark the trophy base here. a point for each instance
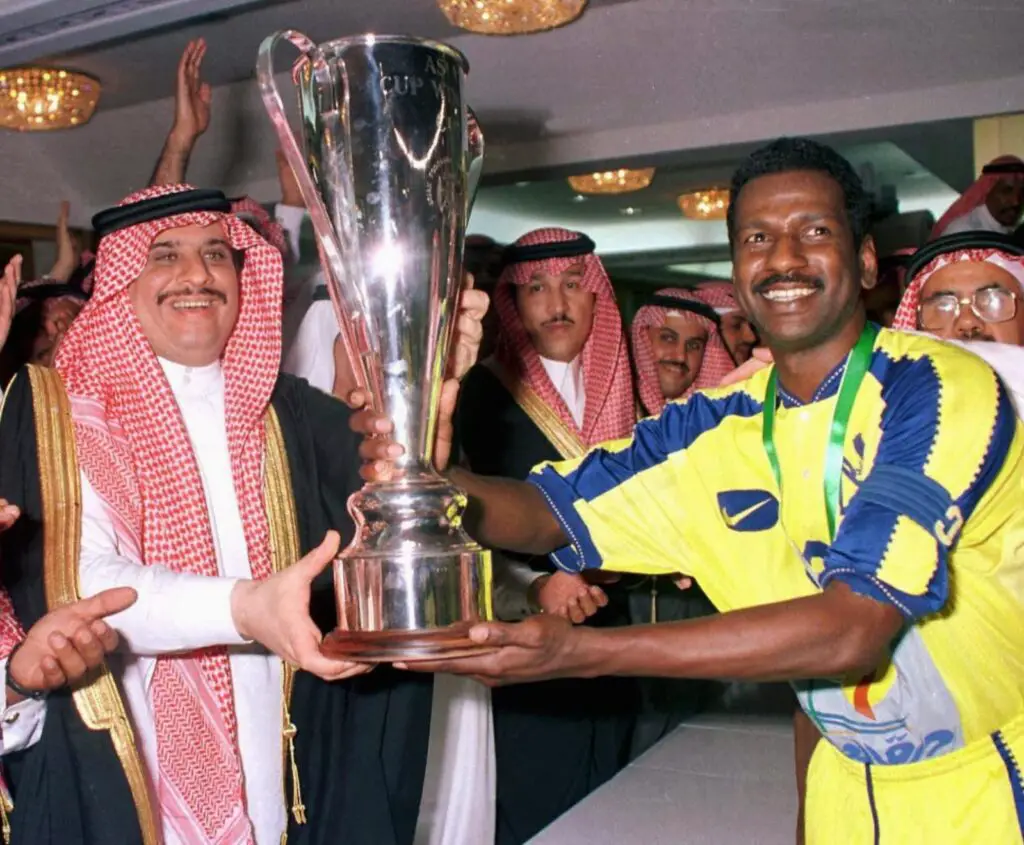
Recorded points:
(402, 646)
(412, 583)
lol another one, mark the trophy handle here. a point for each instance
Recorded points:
(475, 155)
(474, 170)
(332, 255)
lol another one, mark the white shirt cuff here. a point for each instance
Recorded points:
(512, 581)
(21, 724)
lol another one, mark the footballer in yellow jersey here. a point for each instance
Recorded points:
(856, 512)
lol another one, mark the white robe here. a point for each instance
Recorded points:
(309, 327)
(567, 377)
(1008, 362)
(977, 219)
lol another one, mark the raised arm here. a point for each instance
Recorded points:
(69, 248)
(192, 99)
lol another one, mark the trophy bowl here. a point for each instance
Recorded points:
(388, 168)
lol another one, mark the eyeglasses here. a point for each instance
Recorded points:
(990, 305)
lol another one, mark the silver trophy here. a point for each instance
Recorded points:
(391, 160)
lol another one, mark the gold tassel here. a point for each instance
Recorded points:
(654, 599)
(6, 806)
(298, 808)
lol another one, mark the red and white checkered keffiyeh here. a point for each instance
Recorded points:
(906, 314)
(11, 632)
(134, 449)
(609, 412)
(717, 362)
(266, 226)
(975, 194)
(719, 295)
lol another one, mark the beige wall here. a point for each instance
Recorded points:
(996, 136)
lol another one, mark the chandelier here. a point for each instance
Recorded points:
(38, 99)
(511, 17)
(619, 181)
(710, 204)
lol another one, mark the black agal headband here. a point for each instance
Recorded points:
(1003, 167)
(157, 208)
(517, 254)
(698, 308)
(958, 242)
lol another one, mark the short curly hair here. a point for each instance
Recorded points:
(789, 154)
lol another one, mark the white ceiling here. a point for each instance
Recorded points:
(688, 85)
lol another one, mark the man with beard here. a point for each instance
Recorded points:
(993, 203)
(866, 531)
(737, 331)
(677, 348)
(165, 453)
(559, 381)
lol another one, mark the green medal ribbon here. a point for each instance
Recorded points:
(856, 368)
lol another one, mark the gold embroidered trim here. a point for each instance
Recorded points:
(98, 703)
(284, 551)
(6, 808)
(563, 438)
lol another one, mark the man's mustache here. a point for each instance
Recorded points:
(789, 278)
(203, 291)
(668, 362)
(560, 320)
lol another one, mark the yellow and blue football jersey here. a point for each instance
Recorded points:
(931, 521)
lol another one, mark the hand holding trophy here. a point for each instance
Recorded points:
(391, 161)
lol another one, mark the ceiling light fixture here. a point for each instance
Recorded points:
(708, 204)
(511, 17)
(39, 99)
(620, 181)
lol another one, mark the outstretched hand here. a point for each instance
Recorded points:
(537, 649)
(192, 96)
(67, 643)
(275, 613)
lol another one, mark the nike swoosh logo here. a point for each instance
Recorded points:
(733, 520)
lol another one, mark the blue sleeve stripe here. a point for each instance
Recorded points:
(907, 492)
(910, 422)
(655, 439)
(581, 553)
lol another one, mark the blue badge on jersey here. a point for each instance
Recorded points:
(748, 510)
